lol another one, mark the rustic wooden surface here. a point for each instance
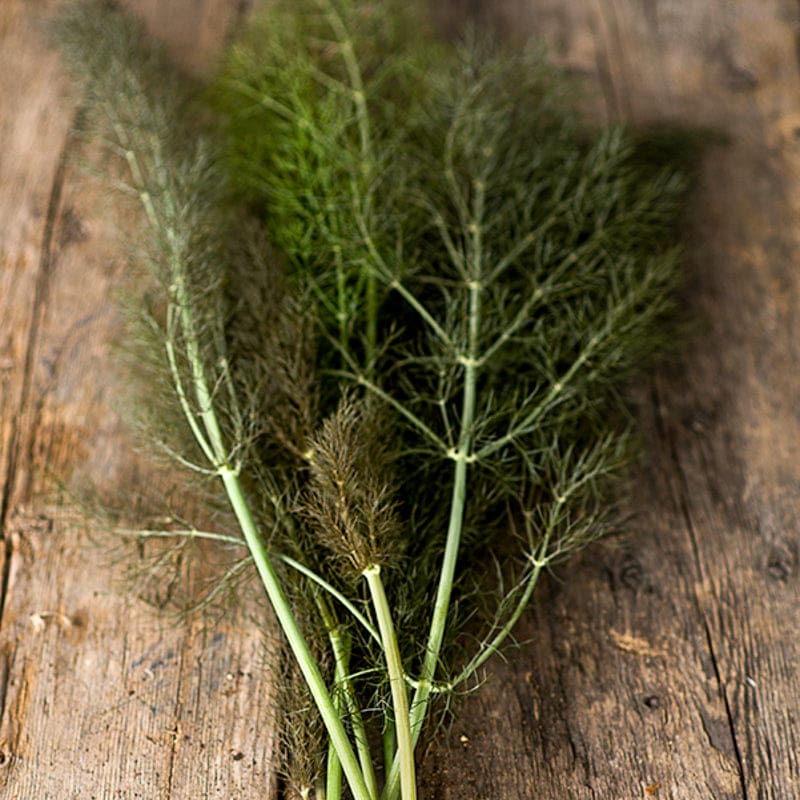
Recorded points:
(666, 666)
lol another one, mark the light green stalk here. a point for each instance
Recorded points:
(333, 771)
(389, 742)
(341, 657)
(394, 666)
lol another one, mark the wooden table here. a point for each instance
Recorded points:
(663, 663)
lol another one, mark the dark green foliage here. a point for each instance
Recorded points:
(293, 102)
(485, 176)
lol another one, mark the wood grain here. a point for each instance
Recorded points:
(663, 663)
(102, 697)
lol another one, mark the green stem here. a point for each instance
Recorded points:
(389, 742)
(394, 665)
(462, 456)
(341, 298)
(491, 647)
(333, 772)
(341, 657)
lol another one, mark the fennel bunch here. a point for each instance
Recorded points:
(428, 370)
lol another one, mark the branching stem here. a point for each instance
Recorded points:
(492, 647)
(415, 421)
(458, 498)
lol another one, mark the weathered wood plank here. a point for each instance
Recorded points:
(101, 696)
(33, 131)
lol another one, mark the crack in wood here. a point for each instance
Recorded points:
(683, 504)
(6, 660)
(728, 711)
(43, 393)
(38, 309)
(41, 291)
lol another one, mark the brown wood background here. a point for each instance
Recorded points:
(665, 666)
